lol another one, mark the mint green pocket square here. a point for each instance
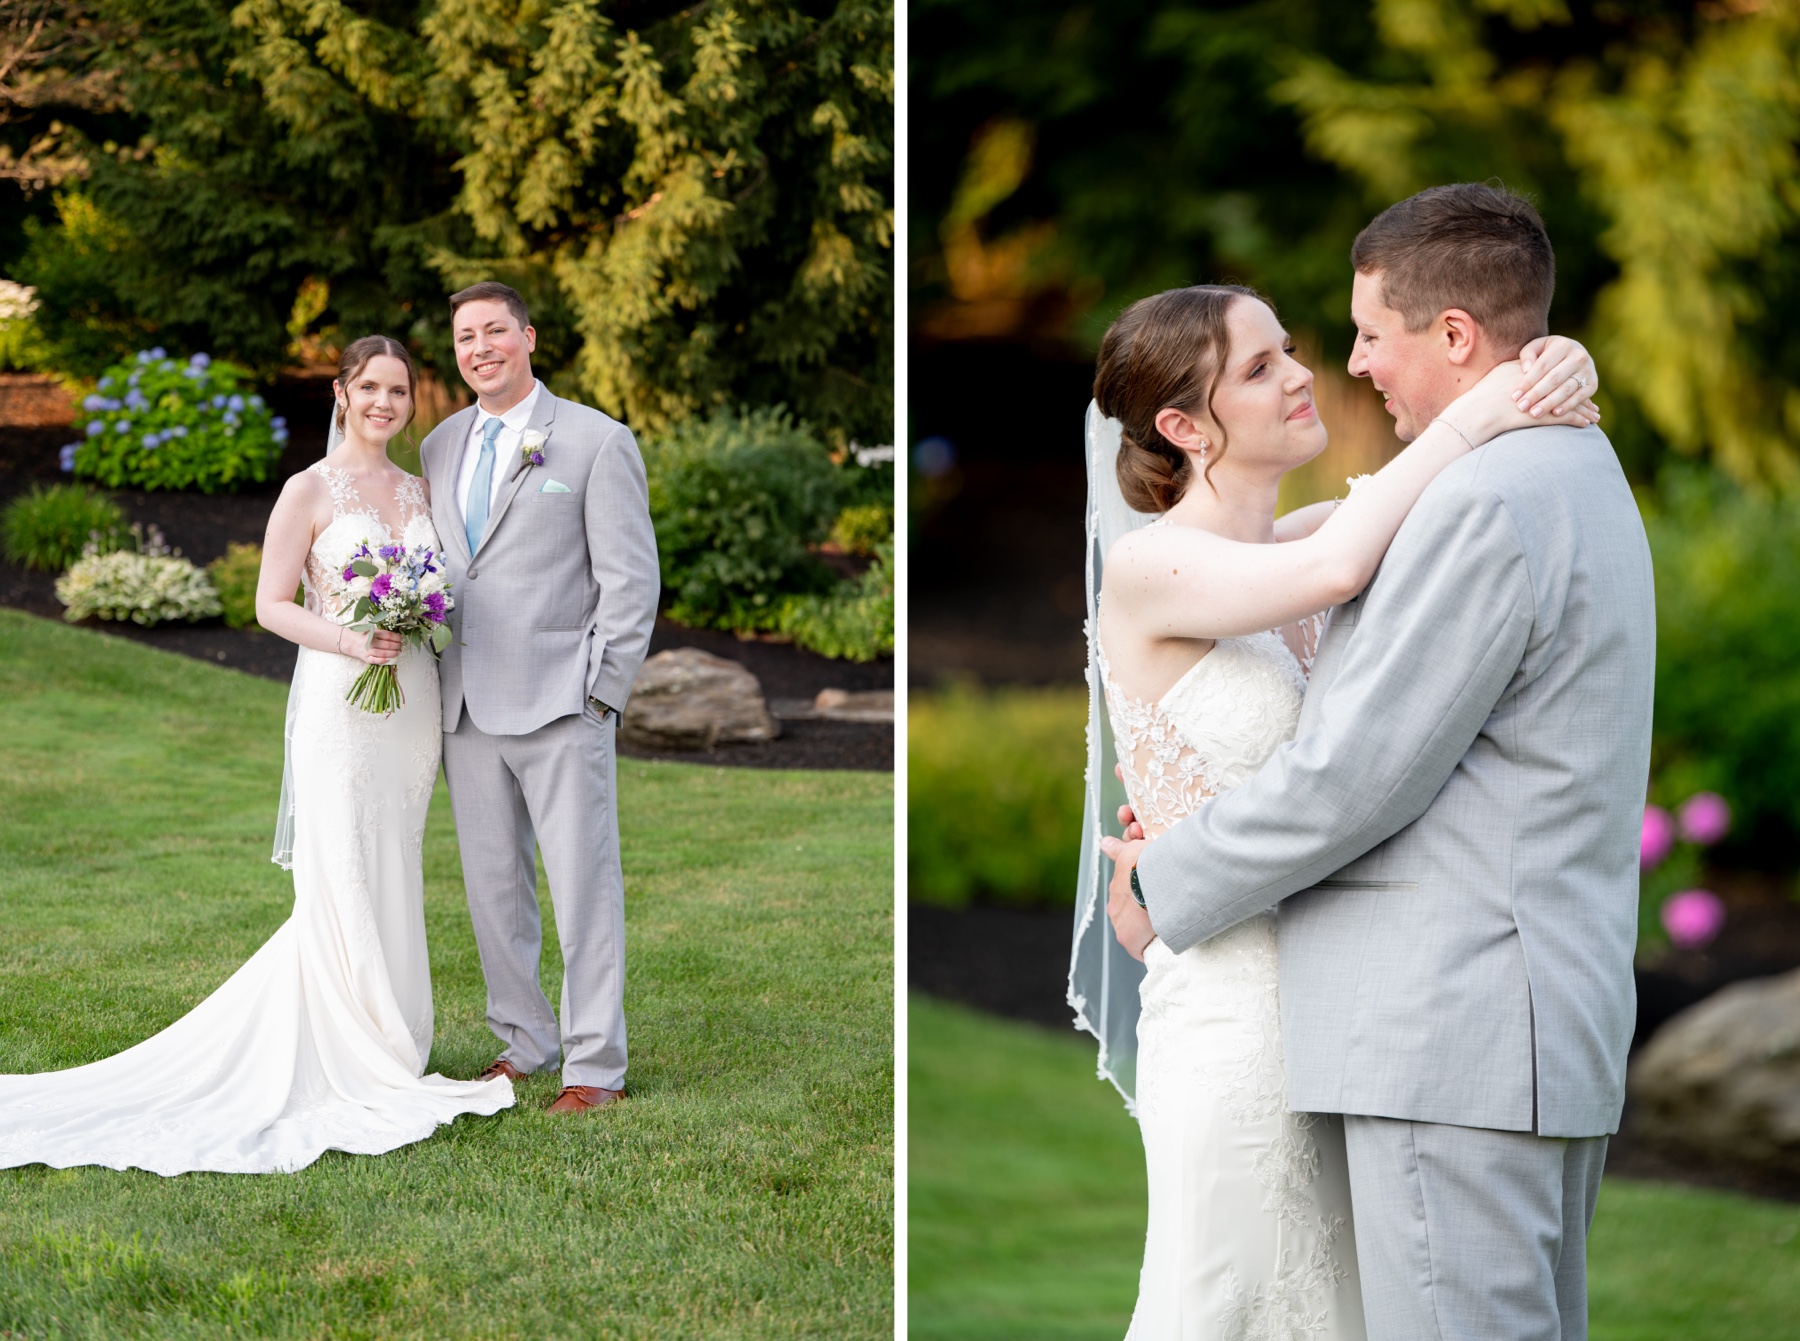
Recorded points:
(552, 487)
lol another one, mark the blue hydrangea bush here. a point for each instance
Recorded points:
(157, 423)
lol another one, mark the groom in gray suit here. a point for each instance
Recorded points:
(1453, 834)
(542, 509)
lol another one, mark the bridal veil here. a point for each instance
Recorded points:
(1103, 979)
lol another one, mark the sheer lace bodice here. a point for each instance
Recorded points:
(354, 521)
(1214, 727)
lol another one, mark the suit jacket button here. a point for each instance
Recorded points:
(473, 573)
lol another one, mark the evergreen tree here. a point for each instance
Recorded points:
(1094, 157)
(697, 202)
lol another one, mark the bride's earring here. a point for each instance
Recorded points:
(1203, 453)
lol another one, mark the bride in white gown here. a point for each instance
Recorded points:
(1201, 637)
(320, 1041)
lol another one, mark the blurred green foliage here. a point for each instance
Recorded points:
(855, 622)
(1068, 159)
(697, 202)
(48, 528)
(994, 781)
(738, 500)
(234, 575)
(1728, 657)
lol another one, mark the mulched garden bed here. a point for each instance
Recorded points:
(201, 526)
(1015, 961)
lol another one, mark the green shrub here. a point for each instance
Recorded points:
(994, 784)
(855, 622)
(147, 585)
(47, 529)
(862, 527)
(22, 347)
(1728, 657)
(155, 423)
(234, 578)
(737, 499)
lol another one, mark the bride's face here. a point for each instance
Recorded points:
(1264, 397)
(378, 401)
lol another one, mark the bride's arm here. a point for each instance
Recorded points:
(1183, 582)
(293, 526)
(1302, 522)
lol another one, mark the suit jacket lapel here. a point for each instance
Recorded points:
(543, 415)
(442, 472)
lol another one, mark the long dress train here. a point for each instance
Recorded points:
(319, 1042)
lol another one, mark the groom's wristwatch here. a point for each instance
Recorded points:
(1137, 891)
(599, 707)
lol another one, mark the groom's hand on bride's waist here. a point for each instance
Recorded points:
(1130, 921)
(1127, 819)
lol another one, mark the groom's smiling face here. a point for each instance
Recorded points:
(493, 353)
(1417, 372)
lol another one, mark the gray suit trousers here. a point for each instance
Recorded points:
(1469, 1234)
(554, 789)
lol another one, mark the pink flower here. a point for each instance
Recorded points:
(1658, 837)
(1705, 818)
(1692, 917)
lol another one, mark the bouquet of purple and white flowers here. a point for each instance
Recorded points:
(397, 590)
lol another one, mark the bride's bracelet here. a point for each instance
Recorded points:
(340, 641)
(1454, 429)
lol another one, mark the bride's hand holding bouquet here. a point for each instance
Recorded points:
(402, 593)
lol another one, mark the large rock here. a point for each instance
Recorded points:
(1721, 1081)
(686, 699)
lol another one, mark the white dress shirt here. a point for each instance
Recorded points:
(506, 449)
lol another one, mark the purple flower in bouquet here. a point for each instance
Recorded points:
(1693, 917)
(381, 586)
(391, 552)
(1704, 818)
(1657, 839)
(349, 575)
(434, 607)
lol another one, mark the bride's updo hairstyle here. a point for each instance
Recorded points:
(356, 357)
(1164, 352)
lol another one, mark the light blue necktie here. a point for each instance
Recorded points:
(481, 488)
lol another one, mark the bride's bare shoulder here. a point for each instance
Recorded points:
(1150, 550)
(305, 494)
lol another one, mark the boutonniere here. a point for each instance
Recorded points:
(531, 448)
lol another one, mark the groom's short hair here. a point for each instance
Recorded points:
(492, 291)
(1480, 248)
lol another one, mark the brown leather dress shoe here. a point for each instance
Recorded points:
(501, 1067)
(584, 1099)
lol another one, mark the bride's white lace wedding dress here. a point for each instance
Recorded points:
(1249, 1235)
(319, 1042)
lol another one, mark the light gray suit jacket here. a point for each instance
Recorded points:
(558, 603)
(1457, 820)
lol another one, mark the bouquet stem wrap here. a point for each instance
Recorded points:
(377, 689)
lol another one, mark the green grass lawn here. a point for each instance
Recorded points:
(1026, 1192)
(744, 1190)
